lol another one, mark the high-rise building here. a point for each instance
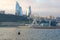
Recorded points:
(2, 12)
(28, 12)
(18, 9)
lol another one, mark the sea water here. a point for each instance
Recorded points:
(29, 34)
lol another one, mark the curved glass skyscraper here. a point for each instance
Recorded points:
(28, 13)
(18, 9)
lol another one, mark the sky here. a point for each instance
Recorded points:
(39, 7)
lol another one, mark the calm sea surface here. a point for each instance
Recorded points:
(29, 34)
(39, 34)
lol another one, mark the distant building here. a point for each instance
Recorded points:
(28, 12)
(2, 12)
(51, 17)
(18, 9)
(58, 19)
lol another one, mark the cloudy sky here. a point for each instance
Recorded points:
(41, 7)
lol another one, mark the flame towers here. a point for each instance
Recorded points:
(28, 13)
(18, 9)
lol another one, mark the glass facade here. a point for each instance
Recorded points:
(18, 9)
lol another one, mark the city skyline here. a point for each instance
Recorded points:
(41, 7)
